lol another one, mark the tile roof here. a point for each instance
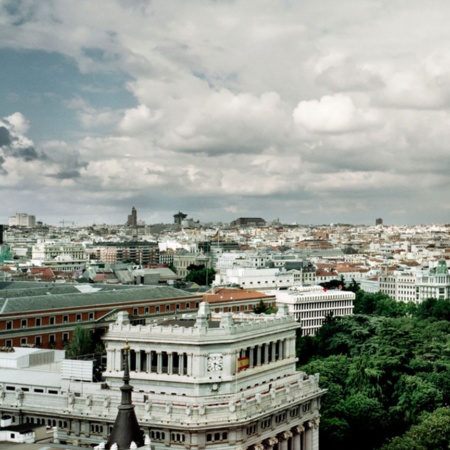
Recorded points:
(11, 305)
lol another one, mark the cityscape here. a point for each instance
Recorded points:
(224, 225)
(138, 286)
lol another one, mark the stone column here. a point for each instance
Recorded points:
(148, 361)
(274, 348)
(180, 364)
(297, 437)
(138, 360)
(266, 353)
(109, 360)
(312, 434)
(283, 440)
(158, 362)
(251, 359)
(280, 349)
(258, 354)
(170, 363)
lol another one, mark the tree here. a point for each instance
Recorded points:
(202, 277)
(262, 308)
(82, 343)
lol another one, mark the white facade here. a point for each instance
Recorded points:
(46, 251)
(311, 304)
(225, 382)
(259, 279)
(399, 286)
(435, 284)
(22, 220)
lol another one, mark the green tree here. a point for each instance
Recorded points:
(432, 433)
(202, 277)
(82, 343)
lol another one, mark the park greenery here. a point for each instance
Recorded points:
(387, 372)
(200, 275)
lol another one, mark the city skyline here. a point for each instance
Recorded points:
(310, 112)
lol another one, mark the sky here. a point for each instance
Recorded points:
(309, 111)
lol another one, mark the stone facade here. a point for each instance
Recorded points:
(200, 382)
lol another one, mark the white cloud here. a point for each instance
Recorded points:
(332, 114)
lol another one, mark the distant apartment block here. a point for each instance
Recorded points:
(141, 252)
(248, 222)
(22, 220)
(311, 304)
(51, 251)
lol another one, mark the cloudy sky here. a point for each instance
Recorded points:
(312, 111)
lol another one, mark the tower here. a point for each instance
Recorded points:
(132, 218)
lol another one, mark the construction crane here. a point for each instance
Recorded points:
(63, 222)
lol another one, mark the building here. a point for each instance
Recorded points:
(48, 251)
(398, 285)
(379, 221)
(248, 222)
(182, 260)
(22, 220)
(179, 217)
(435, 284)
(259, 279)
(204, 381)
(46, 314)
(137, 252)
(132, 218)
(310, 305)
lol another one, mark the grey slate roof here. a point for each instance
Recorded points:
(106, 296)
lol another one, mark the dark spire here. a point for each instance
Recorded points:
(126, 428)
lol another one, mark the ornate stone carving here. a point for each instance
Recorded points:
(314, 422)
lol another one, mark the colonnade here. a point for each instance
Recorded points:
(151, 361)
(297, 438)
(267, 352)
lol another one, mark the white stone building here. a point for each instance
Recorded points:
(220, 382)
(22, 220)
(260, 279)
(435, 284)
(311, 304)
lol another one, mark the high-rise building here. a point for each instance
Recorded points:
(22, 220)
(379, 221)
(132, 218)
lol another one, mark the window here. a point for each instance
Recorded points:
(146, 310)
(157, 309)
(23, 341)
(9, 325)
(65, 319)
(9, 343)
(177, 306)
(38, 341)
(65, 338)
(91, 316)
(52, 340)
(52, 320)
(38, 322)
(167, 307)
(78, 317)
(135, 311)
(23, 323)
